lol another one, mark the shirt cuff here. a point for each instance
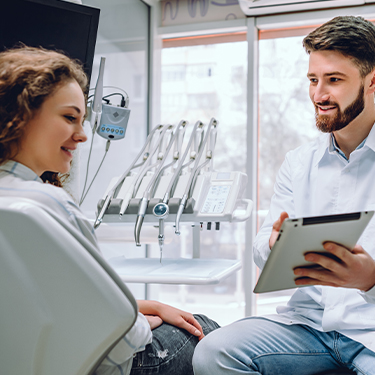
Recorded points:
(261, 250)
(134, 341)
(368, 296)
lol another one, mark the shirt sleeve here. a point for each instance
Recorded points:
(119, 361)
(76, 216)
(82, 223)
(368, 296)
(282, 200)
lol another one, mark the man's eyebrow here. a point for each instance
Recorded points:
(336, 74)
(330, 74)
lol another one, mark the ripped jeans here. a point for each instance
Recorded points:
(171, 350)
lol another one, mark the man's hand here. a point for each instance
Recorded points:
(351, 269)
(171, 315)
(276, 228)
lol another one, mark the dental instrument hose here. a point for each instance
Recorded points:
(188, 186)
(110, 194)
(84, 194)
(133, 188)
(144, 201)
(146, 195)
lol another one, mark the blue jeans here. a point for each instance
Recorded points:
(171, 350)
(259, 346)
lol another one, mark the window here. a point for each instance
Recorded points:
(173, 73)
(200, 82)
(286, 120)
(286, 115)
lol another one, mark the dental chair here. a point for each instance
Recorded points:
(62, 308)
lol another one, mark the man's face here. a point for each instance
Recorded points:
(336, 90)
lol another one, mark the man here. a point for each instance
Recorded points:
(329, 325)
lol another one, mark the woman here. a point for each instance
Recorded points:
(42, 108)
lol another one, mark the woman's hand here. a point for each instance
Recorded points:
(170, 315)
(154, 321)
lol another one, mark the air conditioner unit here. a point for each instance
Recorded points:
(263, 7)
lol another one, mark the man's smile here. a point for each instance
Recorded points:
(325, 109)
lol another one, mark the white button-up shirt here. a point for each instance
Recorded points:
(316, 179)
(19, 181)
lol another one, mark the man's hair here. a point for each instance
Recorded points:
(28, 76)
(354, 37)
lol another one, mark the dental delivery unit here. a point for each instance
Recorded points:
(165, 184)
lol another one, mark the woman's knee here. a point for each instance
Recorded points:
(208, 325)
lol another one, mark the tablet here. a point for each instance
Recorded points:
(299, 236)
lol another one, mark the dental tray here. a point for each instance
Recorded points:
(174, 270)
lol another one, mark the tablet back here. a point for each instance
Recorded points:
(299, 236)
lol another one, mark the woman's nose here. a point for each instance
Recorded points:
(80, 135)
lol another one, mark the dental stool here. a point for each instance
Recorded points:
(62, 307)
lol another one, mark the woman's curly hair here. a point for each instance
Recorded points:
(28, 76)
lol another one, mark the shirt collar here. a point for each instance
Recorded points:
(324, 144)
(328, 144)
(333, 147)
(20, 170)
(370, 140)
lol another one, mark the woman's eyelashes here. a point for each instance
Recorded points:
(70, 118)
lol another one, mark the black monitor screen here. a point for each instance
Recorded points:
(52, 24)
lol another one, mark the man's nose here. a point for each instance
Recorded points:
(320, 93)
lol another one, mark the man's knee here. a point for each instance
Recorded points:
(205, 355)
(230, 347)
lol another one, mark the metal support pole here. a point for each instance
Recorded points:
(196, 240)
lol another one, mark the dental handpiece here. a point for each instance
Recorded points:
(181, 208)
(161, 211)
(99, 219)
(175, 177)
(147, 193)
(161, 237)
(140, 217)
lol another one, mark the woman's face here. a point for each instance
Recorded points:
(54, 132)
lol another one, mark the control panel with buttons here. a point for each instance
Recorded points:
(113, 122)
(111, 131)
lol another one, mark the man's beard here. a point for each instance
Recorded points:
(328, 124)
